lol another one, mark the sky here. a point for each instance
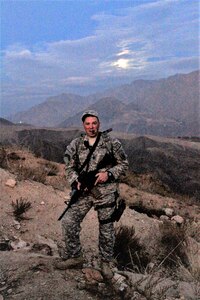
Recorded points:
(86, 46)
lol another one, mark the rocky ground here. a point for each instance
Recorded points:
(29, 246)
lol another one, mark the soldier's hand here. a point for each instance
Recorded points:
(101, 177)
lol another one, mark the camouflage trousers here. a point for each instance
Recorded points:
(71, 225)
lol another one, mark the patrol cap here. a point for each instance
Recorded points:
(89, 113)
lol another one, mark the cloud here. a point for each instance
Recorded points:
(157, 38)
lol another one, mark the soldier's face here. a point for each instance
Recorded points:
(91, 126)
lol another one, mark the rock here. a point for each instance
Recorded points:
(1, 297)
(92, 275)
(101, 287)
(81, 285)
(11, 183)
(18, 244)
(119, 282)
(50, 243)
(187, 291)
(42, 248)
(164, 218)
(169, 212)
(16, 225)
(177, 219)
(150, 267)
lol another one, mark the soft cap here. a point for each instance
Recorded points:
(88, 113)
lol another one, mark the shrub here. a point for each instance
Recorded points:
(20, 207)
(37, 174)
(129, 252)
(3, 158)
(173, 245)
(51, 168)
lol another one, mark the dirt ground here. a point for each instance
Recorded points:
(27, 271)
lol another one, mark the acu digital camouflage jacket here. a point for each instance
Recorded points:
(77, 152)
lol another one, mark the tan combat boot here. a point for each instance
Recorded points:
(108, 268)
(70, 263)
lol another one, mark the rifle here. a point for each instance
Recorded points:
(87, 180)
(74, 196)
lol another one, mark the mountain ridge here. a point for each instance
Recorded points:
(166, 107)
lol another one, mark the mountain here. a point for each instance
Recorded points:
(52, 111)
(121, 117)
(5, 122)
(165, 107)
(108, 108)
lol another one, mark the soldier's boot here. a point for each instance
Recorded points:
(108, 268)
(70, 263)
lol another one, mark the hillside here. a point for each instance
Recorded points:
(162, 231)
(165, 107)
(172, 165)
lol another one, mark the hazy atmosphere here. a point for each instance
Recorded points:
(83, 47)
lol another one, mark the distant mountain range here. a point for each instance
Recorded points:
(5, 122)
(165, 107)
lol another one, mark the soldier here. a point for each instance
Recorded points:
(102, 196)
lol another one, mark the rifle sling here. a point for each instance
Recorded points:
(90, 153)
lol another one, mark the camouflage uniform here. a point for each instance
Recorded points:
(102, 197)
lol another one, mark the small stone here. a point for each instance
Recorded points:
(177, 219)
(169, 212)
(18, 244)
(164, 217)
(117, 278)
(42, 203)
(150, 266)
(16, 225)
(42, 248)
(11, 183)
(92, 275)
(81, 285)
(9, 291)
(119, 282)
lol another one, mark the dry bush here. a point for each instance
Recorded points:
(20, 207)
(51, 168)
(146, 182)
(128, 251)
(3, 158)
(173, 246)
(192, 250)
(130, 179)
(14, 156)
(37, 174)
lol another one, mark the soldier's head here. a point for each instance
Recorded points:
(91, 123)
